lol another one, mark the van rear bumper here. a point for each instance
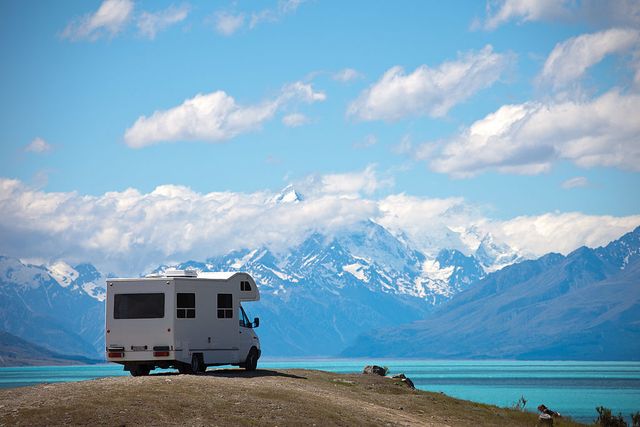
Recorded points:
(140, 356)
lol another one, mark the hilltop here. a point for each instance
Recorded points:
(236, 397)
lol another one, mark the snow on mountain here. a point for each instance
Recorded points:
(287, 195)
(63, 273)
(36, 307)
(495, 255)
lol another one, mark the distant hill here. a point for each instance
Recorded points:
(585, 306)
(15, 351)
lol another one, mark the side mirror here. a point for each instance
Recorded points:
(256, 322)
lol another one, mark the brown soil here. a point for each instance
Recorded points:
(235, 397)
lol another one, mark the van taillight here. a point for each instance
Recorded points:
(116, 354)
(160, 353)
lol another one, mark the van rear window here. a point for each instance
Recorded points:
(138, 306)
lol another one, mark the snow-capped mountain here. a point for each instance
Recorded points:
(50, 311)
(321, 294)
(583, 306)
(83, 278)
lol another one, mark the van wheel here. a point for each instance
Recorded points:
(252, 360)
(197, 363)
(139, 370)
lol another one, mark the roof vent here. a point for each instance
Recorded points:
(180, 273)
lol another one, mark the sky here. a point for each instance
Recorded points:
(137, 132)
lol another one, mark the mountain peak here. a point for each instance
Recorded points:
(287, 195)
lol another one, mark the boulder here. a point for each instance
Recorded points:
(374, 370)
(404, 379)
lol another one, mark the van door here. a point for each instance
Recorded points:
(245, 334)
(225, 343)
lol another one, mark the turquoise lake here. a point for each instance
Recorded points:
(571, 388)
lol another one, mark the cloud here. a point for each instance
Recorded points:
(502, 11)
(346, 75)
(107, 21)
(295, 119)
(151, 23)
(561, 232)
(129, 232)
(38, 145)
(429, 91)
(528, 138)
(595, 12)
(570, 59)
(212, 117)
(284, 7)
(227, 23)
(578, 181)
(368, 141)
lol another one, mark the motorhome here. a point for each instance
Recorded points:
(181, 319)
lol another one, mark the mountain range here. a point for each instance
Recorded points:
(366, 291)
(583, 306)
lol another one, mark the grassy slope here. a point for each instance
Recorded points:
(235, 397)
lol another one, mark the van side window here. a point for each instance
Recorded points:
(186, 306)
(225, 306)
(245, 286)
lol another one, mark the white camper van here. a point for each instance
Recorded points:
(181, 319)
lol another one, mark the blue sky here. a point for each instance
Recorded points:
(77, 76)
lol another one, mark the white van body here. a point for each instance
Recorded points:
(181, 319)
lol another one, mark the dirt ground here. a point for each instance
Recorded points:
(229, 397)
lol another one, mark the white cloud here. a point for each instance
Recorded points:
(38, 145)
(576, 182)
(528, 138)
(346, 75)
(501, 11)
(429, 91)
(228, 23)
(295, 119)
(108, 20)
(212, 117)
(283, 8)
(366, 182)
(562, 232)
(368, 141)
(595, 12)
(569, 59)
(151, 23)
(130, 232)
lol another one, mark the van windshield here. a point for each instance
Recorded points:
(138, 306)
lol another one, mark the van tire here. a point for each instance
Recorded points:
(197, 363)
(252, 360)
(139, 370)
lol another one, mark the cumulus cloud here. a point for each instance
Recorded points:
(502, 11)
(213, 117)
(595, 12)
(151, 23)
(528, 138)
(569, 59)
(107, 21)
(295, 119)
(561, 232)
(576, 182)
(129, 232)
(284, 7)
(346, 75)
(227, 23)
(429, 91)
(38, 145)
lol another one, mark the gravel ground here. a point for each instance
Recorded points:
(229, 397)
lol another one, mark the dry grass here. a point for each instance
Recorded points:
(236, 397)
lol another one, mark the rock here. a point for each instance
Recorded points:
(374, 370)
(404, 379)
(408, 382)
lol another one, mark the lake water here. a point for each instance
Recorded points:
(571, 388)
